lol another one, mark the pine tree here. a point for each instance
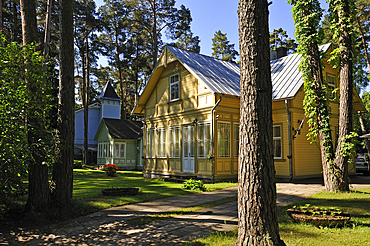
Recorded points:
(279, 38)
(221, 47)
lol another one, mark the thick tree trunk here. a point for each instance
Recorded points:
(38, 186)
(86, 106)
(256, 173)
(62, 177)
(345, 99)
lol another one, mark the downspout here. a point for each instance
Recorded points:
(144, 148)
(290, 142)
(212, 140)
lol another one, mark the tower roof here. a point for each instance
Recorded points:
(108, 93)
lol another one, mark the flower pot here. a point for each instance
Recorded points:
(319, 218)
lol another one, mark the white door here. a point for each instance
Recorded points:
(188, 148)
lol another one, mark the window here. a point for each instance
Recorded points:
(150, 143)
(204, 139)
(236, 140)
(223, 136)
(331, 86)
(277, 142)
(104, 150)
(119, 150)
(174, 87)
(162, 143)
(174, 142)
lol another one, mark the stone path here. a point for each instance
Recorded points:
(110, 227)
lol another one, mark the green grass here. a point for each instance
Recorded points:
(88, 198)
(357, 232)
(88, 184)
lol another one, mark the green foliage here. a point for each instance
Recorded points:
(221, 47)
(191, 184)
(25, 132)
(279, 38)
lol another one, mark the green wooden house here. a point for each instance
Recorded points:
(120, 143)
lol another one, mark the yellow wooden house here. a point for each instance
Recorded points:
(191, 110)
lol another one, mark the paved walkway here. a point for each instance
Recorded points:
(110, 227)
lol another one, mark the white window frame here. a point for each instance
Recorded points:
(162, 142)
(278, 138)
(104, 150)
(174, 142)
(150, 145)
(175, 82)
(121, 146)
(236, 140)
(225, 143)
(203, 140)
(331, 86)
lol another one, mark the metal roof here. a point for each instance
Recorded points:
(224, 77)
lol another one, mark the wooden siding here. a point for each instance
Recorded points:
(282, 165)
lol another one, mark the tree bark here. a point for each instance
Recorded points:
(47, 28)
(256, 173)
(1, 15)
(86, 106)
(38, 186)
(345, 99)
(62, 177)
(121, 88)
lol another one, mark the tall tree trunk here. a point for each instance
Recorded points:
(47, 28)
(14, 22)
(62, 177)
(38, 186)
(86, 106)
(256, 173)
(121, 89)
(346, 91)
(363, 42)
(1, 15)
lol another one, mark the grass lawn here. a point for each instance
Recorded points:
(357, 232)
(88, 198)
(88, 184)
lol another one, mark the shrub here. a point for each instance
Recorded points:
(110, 170)
(191, 184)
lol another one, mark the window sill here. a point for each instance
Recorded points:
(174, 101)
(280, 160)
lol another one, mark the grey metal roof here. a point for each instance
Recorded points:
(224, 77)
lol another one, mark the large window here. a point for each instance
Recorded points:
(277, 142)
(331, 86)
(150, 143)
(174, 142)
(204, 139)
(174, 87)
(223, 137)
(119, 150)
(236, 140)
(104, 150)
(162, 143)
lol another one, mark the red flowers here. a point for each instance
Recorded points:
(110, 169)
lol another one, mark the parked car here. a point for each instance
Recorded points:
(362, 166)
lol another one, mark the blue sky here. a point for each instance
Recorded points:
(210, 16)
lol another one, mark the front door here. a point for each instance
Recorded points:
(188, 148)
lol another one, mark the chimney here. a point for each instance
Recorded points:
(278, 53)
